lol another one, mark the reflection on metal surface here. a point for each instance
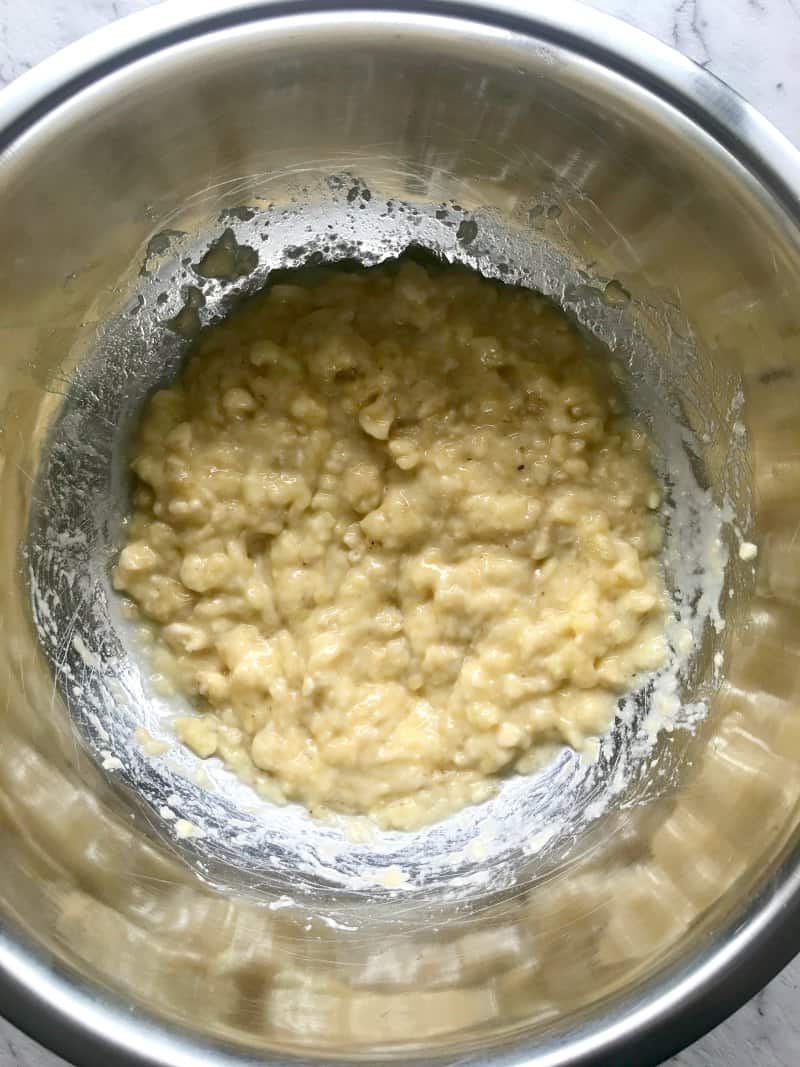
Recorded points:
(80, 494)
(348, 134)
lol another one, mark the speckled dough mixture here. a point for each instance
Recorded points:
(396, 536)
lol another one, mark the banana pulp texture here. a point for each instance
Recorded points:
(394, 534)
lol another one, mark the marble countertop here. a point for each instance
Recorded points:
(754, 45)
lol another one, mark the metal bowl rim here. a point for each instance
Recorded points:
(61, 1010)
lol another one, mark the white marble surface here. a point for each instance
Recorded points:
(754, 45)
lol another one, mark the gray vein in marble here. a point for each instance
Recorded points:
(688, 32)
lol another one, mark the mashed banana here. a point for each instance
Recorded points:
(397, 536)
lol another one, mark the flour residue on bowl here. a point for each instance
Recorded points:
(250, 841)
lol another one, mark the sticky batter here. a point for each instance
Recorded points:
(395, 535)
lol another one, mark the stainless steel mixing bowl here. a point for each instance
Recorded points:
(600, 916)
